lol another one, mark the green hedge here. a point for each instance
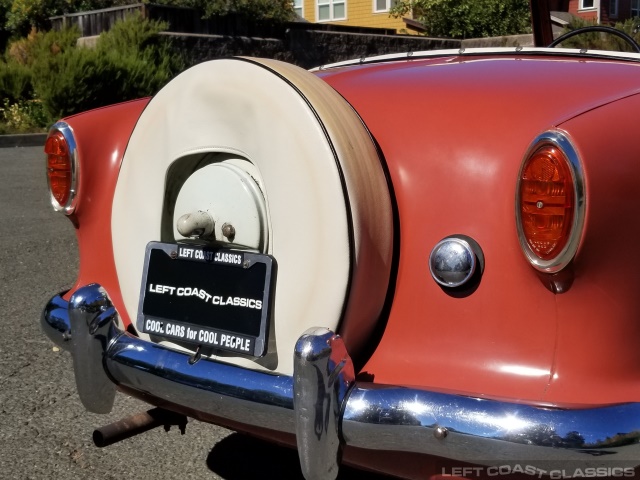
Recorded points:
(130, 61)
(15, 82)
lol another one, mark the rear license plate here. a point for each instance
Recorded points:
(218, 298)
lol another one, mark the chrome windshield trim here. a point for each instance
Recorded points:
(374, 417)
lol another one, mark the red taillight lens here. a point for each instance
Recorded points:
(550, 202)
(59, 168)
(547, 205)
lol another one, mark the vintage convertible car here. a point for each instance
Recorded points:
(417, 264)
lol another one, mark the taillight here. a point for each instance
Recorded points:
(550, 202)
(60, 149)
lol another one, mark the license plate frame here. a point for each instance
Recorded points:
(211, 297)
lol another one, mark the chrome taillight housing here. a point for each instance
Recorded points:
(550, 202)
(62, 167)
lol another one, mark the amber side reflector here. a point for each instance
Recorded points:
(547, 201)
(59, 168)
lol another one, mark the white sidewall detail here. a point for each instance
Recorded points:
(333, 248)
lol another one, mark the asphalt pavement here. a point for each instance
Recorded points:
(44, 430)
(23, 140)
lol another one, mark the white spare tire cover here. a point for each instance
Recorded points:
(328, 202)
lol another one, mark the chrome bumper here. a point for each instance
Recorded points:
(325, 407)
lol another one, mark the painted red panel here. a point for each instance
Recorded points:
(454, 132)
(598, 322)
(102, 137)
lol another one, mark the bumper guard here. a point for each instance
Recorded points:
(325, 407)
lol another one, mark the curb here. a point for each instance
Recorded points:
(23, 140)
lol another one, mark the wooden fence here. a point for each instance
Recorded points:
(187, 20)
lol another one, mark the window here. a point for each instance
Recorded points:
(297, 7)
(332, 10)
(383, 5)
(613, 8)
(586, 4)
(635, 8)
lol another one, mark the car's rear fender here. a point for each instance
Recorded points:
(454, 137)
(101, 136)
(597, 355)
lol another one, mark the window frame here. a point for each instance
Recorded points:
(614, 8)
(301, 14)
(389, 5)
(636, 9)
(594, 6)
(332, 4)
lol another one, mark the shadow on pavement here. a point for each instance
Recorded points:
(239, 457)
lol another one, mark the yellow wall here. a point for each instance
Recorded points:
(360, 14)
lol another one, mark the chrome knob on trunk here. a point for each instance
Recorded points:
(453, 261)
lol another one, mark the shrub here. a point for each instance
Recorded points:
(71, 81)
(15, 82)
(22, 116)
(631, 27)
(129, 61)
(133, 34)
(38, 45)
(602, 40)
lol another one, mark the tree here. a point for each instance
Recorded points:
(273, 10)
(5, 8)
(468, 18)
(270, 10)
(24, 15)
(18, 17)
(27, 14)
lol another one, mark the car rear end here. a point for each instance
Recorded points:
(454, 288)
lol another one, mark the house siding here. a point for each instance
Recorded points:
(359, 14)
(624, 11)
(591, 14)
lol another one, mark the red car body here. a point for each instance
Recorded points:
(453, 131)
(548, 349)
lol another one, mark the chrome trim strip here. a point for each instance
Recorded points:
(483, 51)
(375, 417)
(560, 140)
(70, 206)
(323, 374)
(486, 432)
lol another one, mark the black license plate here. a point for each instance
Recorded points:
(218, 298)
